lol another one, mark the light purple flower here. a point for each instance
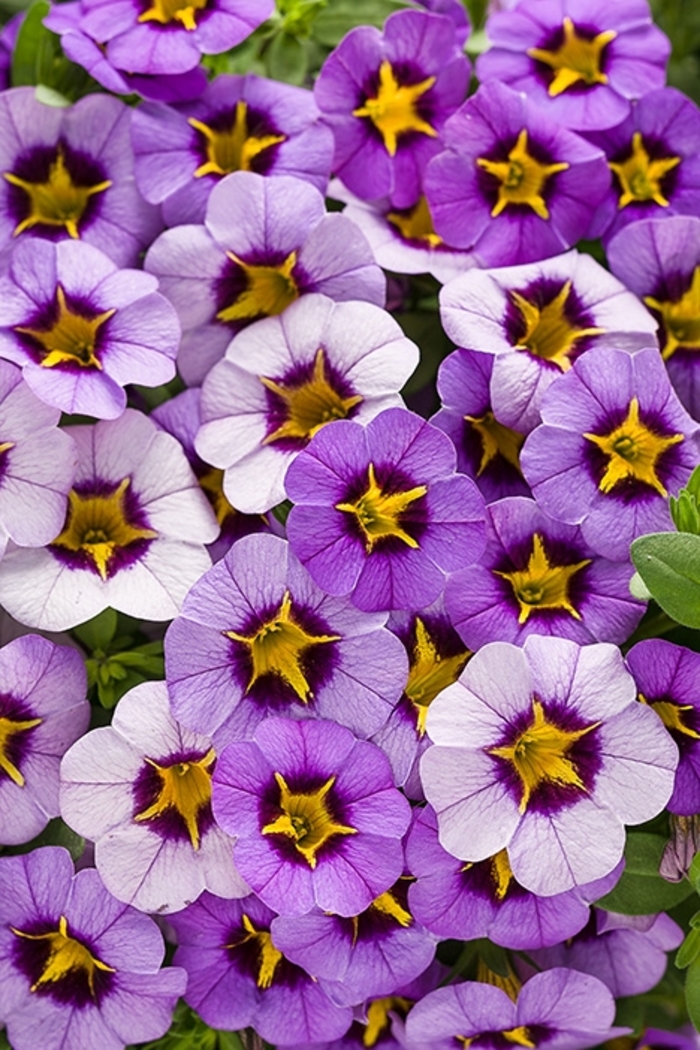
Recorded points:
(379, 513)
(511, 183)
(239, 123)
(386, 97)
(77, 968)
(42, 711)
(140, 789)
(614, 442)
(69, 173)
(316, 814)
(537, 320)
(81, 328)
(133, 537)
(264, 243)
(581, 61)
(544, 752)
(285, 378)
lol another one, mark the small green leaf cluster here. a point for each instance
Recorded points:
(116, 663)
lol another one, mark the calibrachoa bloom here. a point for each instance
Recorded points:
(659, 260)
(37, 464)
(469, 901)
(539, 576)
(81, 328)
(77, 968)
(537, 320)
(668, 679)
(560, 1008)
(133, 537)
(264, 243)
(614, 442)
(545, 752)
(316, 814)
(140, 789)
(582, 61)
(257, 636)
(285, 378)
(69, 173)
(379, 512)
(237, 124)
(42, 711)
(386, 97)
(512, 184)
(237, 976)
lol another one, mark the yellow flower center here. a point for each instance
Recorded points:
(633, 451)
(542, 585)
(67, 956)
(71, 337)
(548, 333)
(522, 179)
(416, 224)
(576, 60)
(309, 404)
(167, 11)
(539, 755)
(387, 904)
(671, 714)
(269, 957)
(501, 873)
(58, 201)
(640, 177)
(394, 109)
(279, 647)
(184, 787)
(430, 673)
(98, 526)
(10, 730)
(378, 513)
(234, 148)
(269, 290)
(378, 1020)
(519, 1036)
(681, 319)
(496, 440)
(212, 482)
(307, 819)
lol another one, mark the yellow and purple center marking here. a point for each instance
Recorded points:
(233, 147)
(58, 201)
(307, 819)
(633, 450)
(577, 61)
(379, 514)
(542, 585)
(522, 179)
(394, 110)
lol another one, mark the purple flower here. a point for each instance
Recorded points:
(77, 968)
(615, 441)
(386, 98)
(544, 752)
(285, 378)
(257, 637)
(68, 173)
(379, 512)
(539, 576)
(316, 814)
(140, 789)
(237, 124)
(468, 901)
(81, 329)
(264, 243)
(659, 260)
(237, 976)
(668, 680)
(42, 711)
(582, 61)
(512, 184)
(537, 320)
(133, 537)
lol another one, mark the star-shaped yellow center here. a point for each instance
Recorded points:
(542, 585)
(577, 59)
(549, 335)
(633, 451)
(10, 730)
(184, 787)
(269, 290)
(378, 1019)
(71, 338)
(233, 148)
(680, 319)
(309, 404)
(671, 714)
(640, 177)
(496, 440)
(268, 957)
(394, 109)
(379, 513)
(430, 673)
(67, 957)
(167, 11)
(522, 179)
(416, 224)
(307, 819)
(58, 201)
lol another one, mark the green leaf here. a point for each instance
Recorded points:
(56, 833)
(494, 957)
(281, 511)
(692, 992)
(287, 59)
(669, 564)
(689, 950)
(341, 16)
(35, 43)
(229, 1041)
(49, 97)
(98, 632)
(641, 890)
(694, 872)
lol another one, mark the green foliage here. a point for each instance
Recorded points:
(116, 662)
(281, 511)
(641, 890)
(680, 20)
(189, 1032)
(692, 992)
(56, 833)
(685, 510)
(669, 565)
(38, 60)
